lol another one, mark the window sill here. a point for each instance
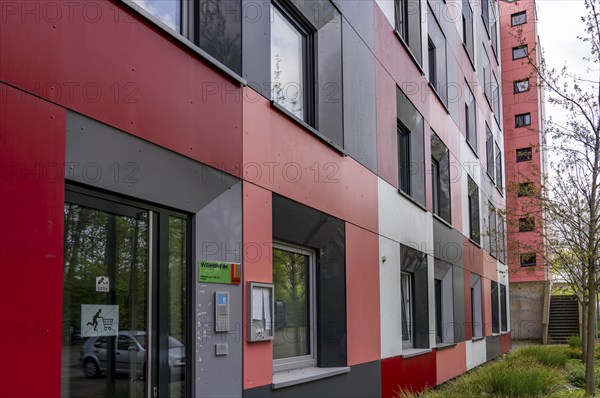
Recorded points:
(440, 219)
(475, 243)
(444, 346)
(475, 339)
(410, 198)
(181, 39)
(414, 352)
(469, 56)
(288, 378)
(472, 149)
(410, 53)
(439, 97)
(308, 127)
(500, 190)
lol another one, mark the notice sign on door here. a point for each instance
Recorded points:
(99, 320)
(219, 272)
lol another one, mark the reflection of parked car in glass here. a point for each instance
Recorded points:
(130, 354)
(280, 317)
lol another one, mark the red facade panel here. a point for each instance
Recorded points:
(32, 149)
(451, 362)
(505, 343)
(414, 374)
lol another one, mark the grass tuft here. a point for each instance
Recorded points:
(513, 381)
(549, 356)
(575, 342)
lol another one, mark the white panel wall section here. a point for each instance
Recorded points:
(387, 7)
(389, 294)
(431, 299)
(476, 353)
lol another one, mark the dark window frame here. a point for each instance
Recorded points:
(523, 120)
(516, 83)
(527, 224)
(524, 154)
(518, 49)
(525, 259)
(503, 309)
(518, 14)
(438, 298)
(474, 211)
(432, 58)
(490, 155)
(524, 189)
(404, 158)
(471, 134)
(499, 177)
(495, 298)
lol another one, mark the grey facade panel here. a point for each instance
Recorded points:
(218, 237)
(318, 12)
(330, 102)
(256, 48)
(360, 135)
(301, 225)
(104, 157)
(363, 380)
(449, 243)
(220, 31)
(361, 16)
(492, 347)
(458, 280)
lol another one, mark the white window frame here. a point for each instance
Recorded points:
(408, 307)
(311, 359)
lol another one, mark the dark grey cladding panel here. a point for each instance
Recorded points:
(362, 381)
(220, 31)
(218, 237)
(492, 347)
(299, 224)
(103, 157)
(360, 136)
(458, 281)
(318, 12)
(256, 48)
(330, 93)
(361, 15)
(448, 243)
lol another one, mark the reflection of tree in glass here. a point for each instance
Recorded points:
(279, 91)
(290, 277)
(219, 37)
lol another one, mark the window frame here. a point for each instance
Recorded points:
(498, 159)
(523, 258)
(407, 309)
(521, 159)
(468, 34)
(432, 61)
(404, 157)
(471, 134)
(495, 298)
(523, 48)
(518, 14)
(473, 204)
(437, 183)
(525, 117)
(438, 294)
(501, 241)
(492, 231)
(309, 60)
(524, 188)
(516, 84)
(490, 155)
(527, 224)
(503, 309)
(402, 15)
(310, 360)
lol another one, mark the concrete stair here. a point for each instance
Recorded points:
(564, 318)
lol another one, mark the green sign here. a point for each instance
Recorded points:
(219, 272)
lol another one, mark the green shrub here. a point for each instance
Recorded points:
(513, 381)
(547, 355)
(575, 342)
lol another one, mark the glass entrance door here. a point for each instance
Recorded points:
(119, 339)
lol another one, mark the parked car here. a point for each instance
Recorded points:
(130, 355)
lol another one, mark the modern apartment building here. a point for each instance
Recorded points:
(526, 164)
(250, 198)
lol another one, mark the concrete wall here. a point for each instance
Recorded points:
(526, 310)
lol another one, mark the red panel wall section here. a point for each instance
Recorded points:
(362, 295)
(473, 257)
(450, 362)
(283, 157)
(258, 240)
(505, 343)
(32, 153)
(414, 374)
(387, 136)
(97, 60)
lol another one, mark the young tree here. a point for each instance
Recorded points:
(570, 199)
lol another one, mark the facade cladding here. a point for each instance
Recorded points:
(526, 164)
(344, 156)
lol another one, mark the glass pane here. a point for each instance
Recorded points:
(177, 306)
(105, 266)
(287, 85)
(406, 308)
(290, 277)
(166, 11)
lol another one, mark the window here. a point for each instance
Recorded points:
(496, 98)
(519, 52)
(436, 57)
(523, 120)
(499, 178)
(444, 302)
(520, 86)
(167, 12)
(487, 76)
(526, 189)
(292, 68)
(408, 25)
(476, 307)
(492, 230)
(404, 157)
(411, 149)
(503, 309)
(440, 178)
(470, 121)
(526, 224)
(495, 308)
(518, 18)
(439, 329)
(501, 248)
(407, 309)
(528, 260)
(489, 151)
(473, 210)
(485, 14)
(524, 154)
(494, 29)
(467, 20)
(294, 344)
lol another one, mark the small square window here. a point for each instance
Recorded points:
(523, 120)
(528, 260)
(526, 224)
(520, 86)
(524, 154)
(518, 18)
(525, 189)
(519, 52)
